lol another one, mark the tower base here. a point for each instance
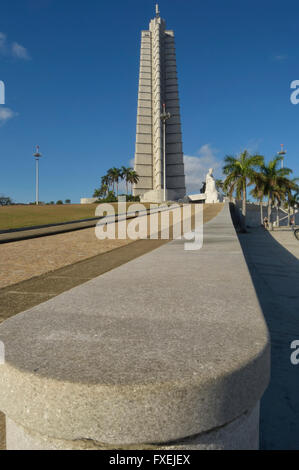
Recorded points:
(157, 195)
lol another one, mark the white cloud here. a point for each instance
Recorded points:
(280, 57)
(5, 115)
(19, 51)
(252, 146)
(197, 167)
(12, 49)
(2, 42)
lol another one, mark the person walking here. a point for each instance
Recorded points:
(266, 223)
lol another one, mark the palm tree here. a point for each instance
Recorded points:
(106, 181)
(110, 176)
(276, 182)
(126, 175)
(279, 196)
(219, 184)
(241, 172)
(114, 175)
(133, 178)
(291, 198)
(117, 176)
(100, 192)
(258, 192)
(294, 202)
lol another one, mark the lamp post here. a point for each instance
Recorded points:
(37, 156)
(164, 117)
(282, 154)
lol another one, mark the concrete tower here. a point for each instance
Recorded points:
(158, 86)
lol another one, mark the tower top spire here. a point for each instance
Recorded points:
(157, 11)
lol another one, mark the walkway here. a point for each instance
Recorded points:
(273, 261)
(33, 271)
(25, 259)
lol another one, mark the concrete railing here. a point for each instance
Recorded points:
(169, 351)
(253, 214)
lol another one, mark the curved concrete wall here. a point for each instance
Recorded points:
(168, 351)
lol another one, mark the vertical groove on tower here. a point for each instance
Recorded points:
(144, 143)
(157, 65)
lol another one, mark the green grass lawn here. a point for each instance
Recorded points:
(27, 216)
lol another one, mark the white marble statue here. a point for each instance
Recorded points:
(211, 193)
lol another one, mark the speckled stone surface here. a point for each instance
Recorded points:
(169, 345)
(240, 434)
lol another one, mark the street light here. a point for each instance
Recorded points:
(37, 156)
(282, 154)
(164, 117)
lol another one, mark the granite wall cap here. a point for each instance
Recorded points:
(169, 345)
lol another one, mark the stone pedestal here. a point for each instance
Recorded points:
(241, 434)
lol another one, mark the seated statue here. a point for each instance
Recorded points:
(212, 194)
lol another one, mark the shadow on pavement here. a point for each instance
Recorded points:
(275, 274)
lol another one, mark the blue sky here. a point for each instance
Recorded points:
(71, 73)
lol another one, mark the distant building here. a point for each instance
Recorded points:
(88, 200)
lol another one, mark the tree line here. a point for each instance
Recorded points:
(5, 201)
(110, 183)
(270, 181)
